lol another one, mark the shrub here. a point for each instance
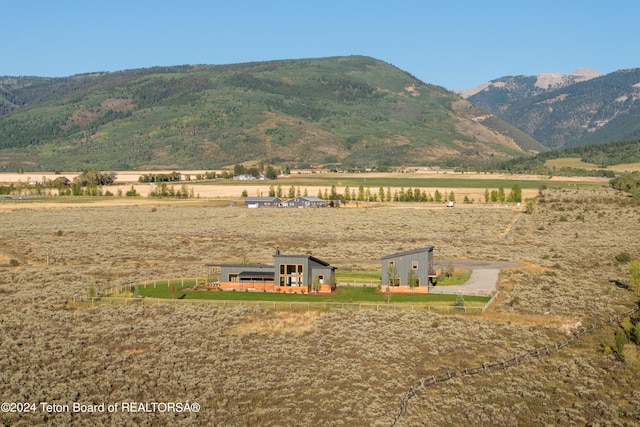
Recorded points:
(623, 257)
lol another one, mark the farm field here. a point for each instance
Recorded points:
(577, 163)
(471, 185)
(251, 366)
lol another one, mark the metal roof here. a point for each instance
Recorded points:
(256, 275)
(312, 258)
(414, 251)
(255, 199)
(307, 199)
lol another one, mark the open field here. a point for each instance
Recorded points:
(577, 163)
(250, 366)
(471, 185)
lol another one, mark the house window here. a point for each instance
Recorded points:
(321, 279)
(414, 265)
(291, 274)
(394, 280)
(233, 277)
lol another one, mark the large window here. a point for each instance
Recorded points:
(233, 277)
(291, 274)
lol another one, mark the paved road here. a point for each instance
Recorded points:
(484, 276)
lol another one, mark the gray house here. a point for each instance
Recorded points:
(304, 202)
(302, 270)
(289, 273)
(399, 268)
(259, 202)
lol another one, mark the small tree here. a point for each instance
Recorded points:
(271, 173)
(334, 193)
(515, 196)
(501, 195)
(459, 304)
(412, 280)
(392, 276)
(530, 206)
(132, 192)
(448, 271)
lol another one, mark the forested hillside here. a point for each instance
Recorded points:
(355, 111)
(599, 155)
(601, 109)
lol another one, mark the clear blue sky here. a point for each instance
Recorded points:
(455, 44)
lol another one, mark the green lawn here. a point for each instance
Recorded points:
(358, 276)
(344, 295)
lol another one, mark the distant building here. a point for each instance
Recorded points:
(244, 177)
(259, 202)
(416, 265)
(304, 202)
(289, 274)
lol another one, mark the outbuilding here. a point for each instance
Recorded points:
(259, 202)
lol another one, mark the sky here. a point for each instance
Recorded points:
(455, 44)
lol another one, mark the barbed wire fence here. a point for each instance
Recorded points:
(487, 368)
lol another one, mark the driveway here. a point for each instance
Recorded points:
(484, 276)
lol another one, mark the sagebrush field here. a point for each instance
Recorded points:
(247, 366)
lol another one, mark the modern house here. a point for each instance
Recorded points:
(259, 202)
(403, 269)
(304, 202)
(289, 274)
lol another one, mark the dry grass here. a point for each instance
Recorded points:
(252, 367)
(276, 323)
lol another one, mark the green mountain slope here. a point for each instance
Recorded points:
(351, 110)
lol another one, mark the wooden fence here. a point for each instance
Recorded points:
(487, 368)
(288, 305)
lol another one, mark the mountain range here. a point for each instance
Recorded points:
(355, 111)
(566, 110)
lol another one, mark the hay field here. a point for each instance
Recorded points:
(245, 366)
(471, 185)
